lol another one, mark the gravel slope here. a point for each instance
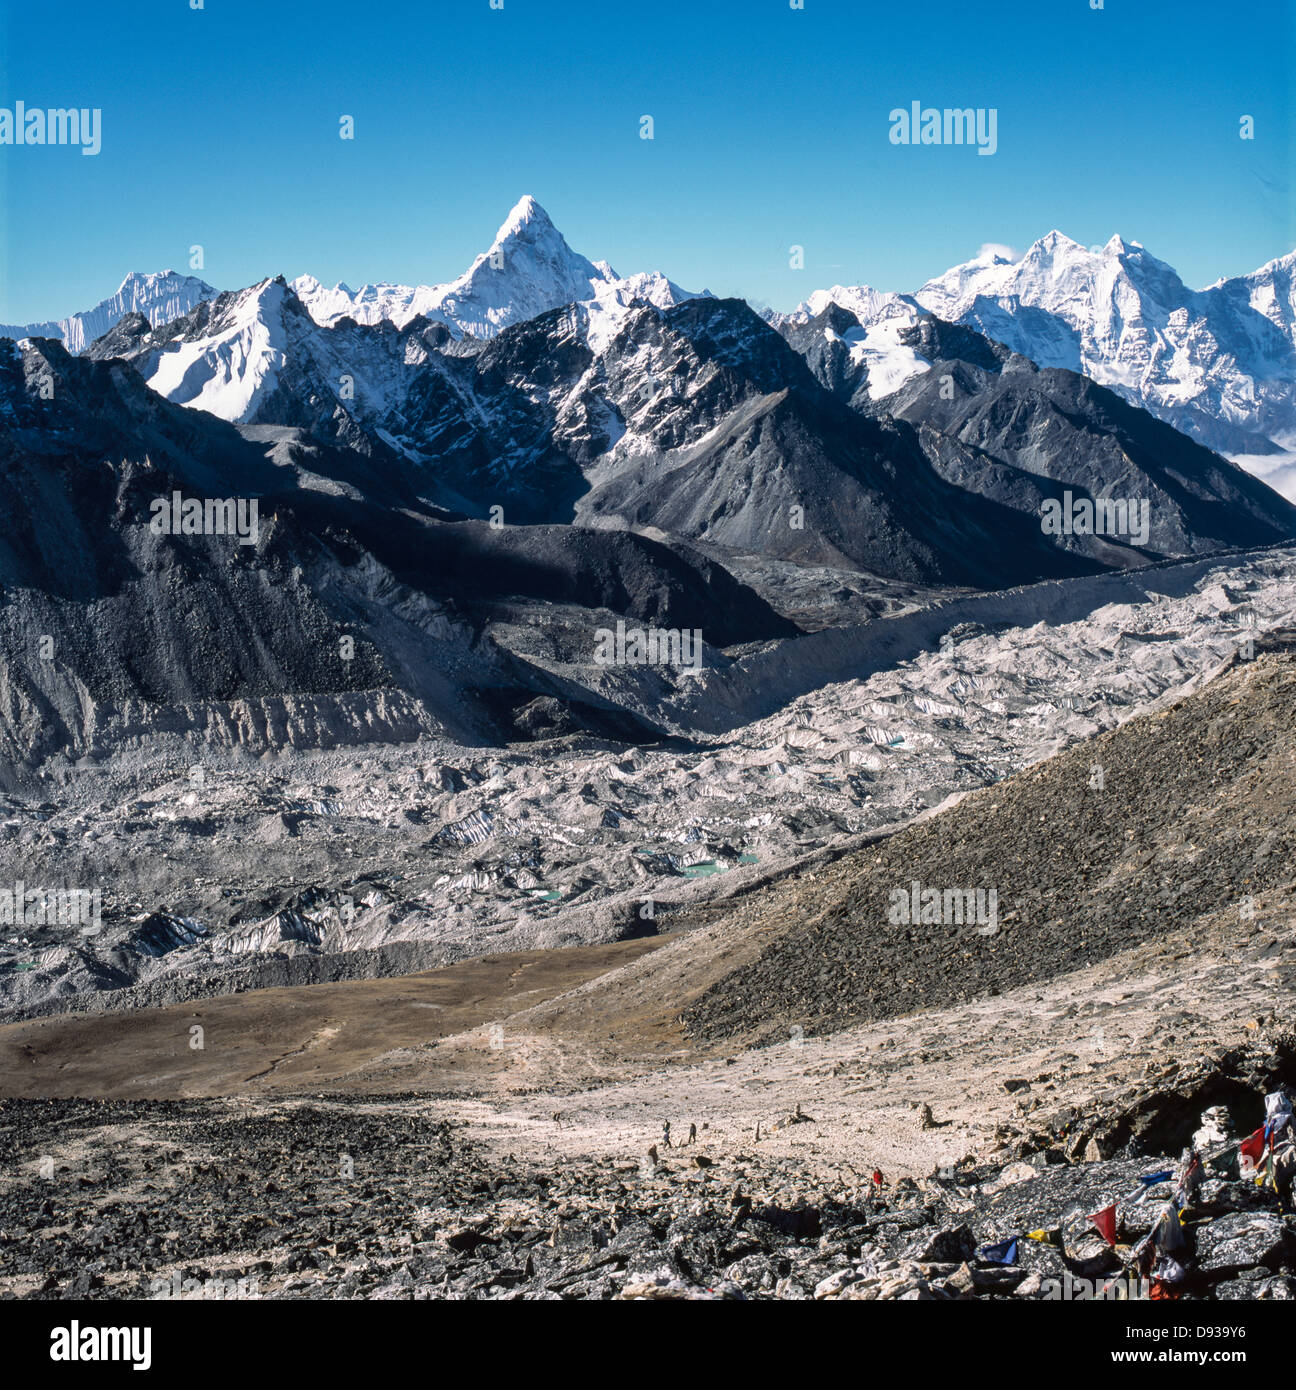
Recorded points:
(1193, 814)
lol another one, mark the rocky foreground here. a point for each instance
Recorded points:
(324, 1198)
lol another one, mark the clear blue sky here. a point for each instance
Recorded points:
(220, 127)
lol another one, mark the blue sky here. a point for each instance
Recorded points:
(220, 127)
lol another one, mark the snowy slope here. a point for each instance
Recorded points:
(1218, 363)
(863, 301)
(228, 369)
(160, 297)
(368, 304)
(528, 269)
(256, 356)
(1269, 292)
(280, 353)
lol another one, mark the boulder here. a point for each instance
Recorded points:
(1241, 1239)
(947, 1244)
(1256, 1290)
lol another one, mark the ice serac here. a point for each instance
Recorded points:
(159, 297)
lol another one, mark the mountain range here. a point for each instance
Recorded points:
(160, 297)
(640, 406)
(862, 432)
(358, 794)
(1218, 363)
(527, 269)
(702, 421)
(470, 480)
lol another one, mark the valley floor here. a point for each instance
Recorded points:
(702, 1112)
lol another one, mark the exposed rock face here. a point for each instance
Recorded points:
(698, 420)
(112, 625)
(1021, 434)
(1245, 1240)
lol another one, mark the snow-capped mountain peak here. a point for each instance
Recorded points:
(528, 269)
(1207, 361)
(1053, 270)
(866, 303)
(1269, 291)
(1219, 364)
(1054, 243)
(1279, 266)
(227, 355)
(526, 217)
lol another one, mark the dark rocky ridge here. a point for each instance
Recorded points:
(993, 423)
(732, 431)
(167, 620)
(1019, 433)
